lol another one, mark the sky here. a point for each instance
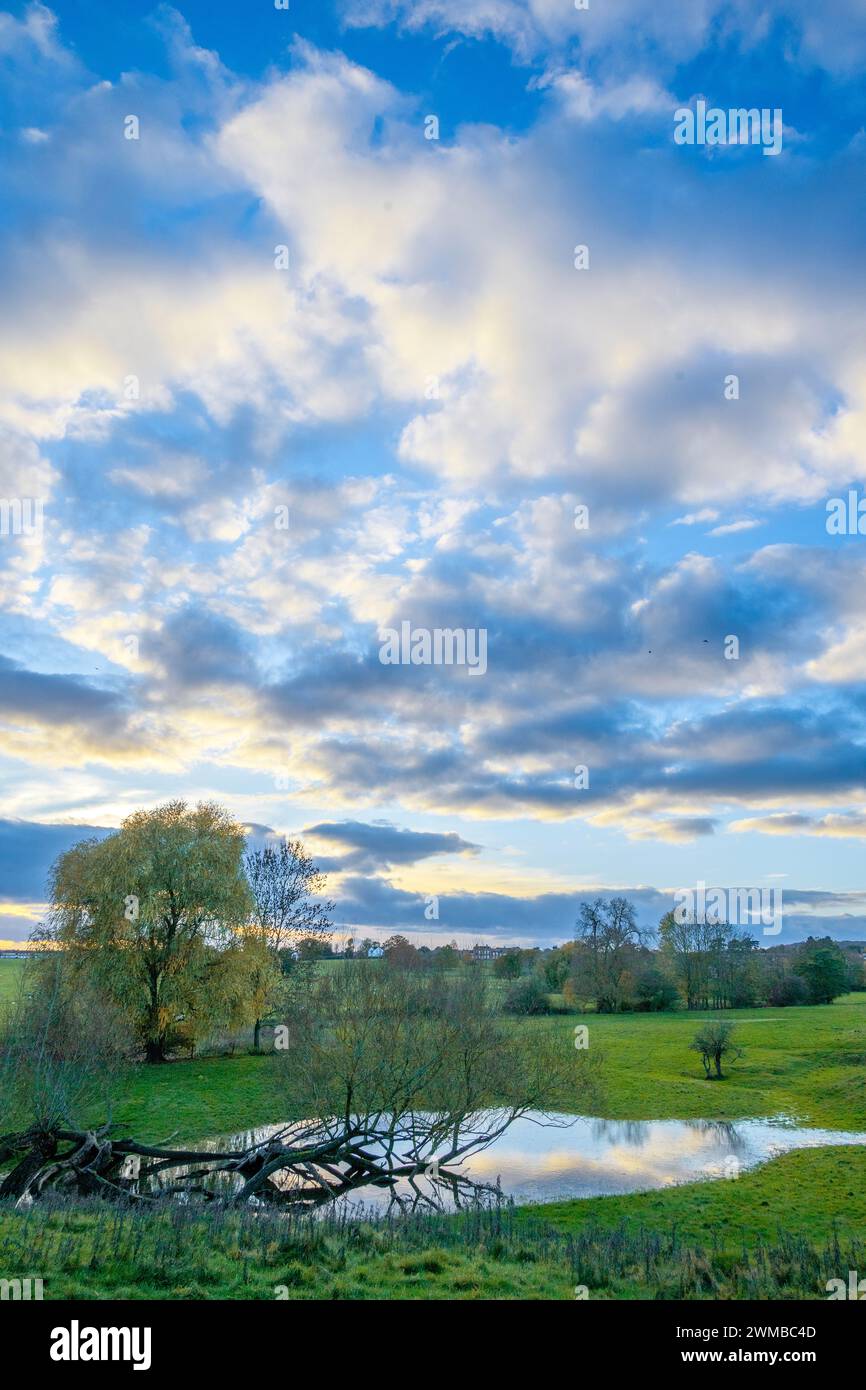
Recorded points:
(325, 320)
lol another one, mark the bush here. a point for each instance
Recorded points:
(655, 992)
(787, 990)
(527, 996)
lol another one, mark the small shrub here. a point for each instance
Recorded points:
(527, 996)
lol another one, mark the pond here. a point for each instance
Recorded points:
(539, 1161)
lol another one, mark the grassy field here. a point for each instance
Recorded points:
(807, 1062)
(723, 1239)
(10, 974)
(804, 1062)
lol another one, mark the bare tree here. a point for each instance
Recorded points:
(285, 885)
(609, 934)
(713, 1041)
(403, 1074)
(61, 1058)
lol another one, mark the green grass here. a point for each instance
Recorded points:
(208, 1096)
(777, 1232)
(806, 1062)
(10, 974)
(92, 1253)
(810, 1191)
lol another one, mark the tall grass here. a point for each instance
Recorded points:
(91, 1249)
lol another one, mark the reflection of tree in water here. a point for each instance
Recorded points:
(727, 1133)
(635, 1133)
(303, 1166)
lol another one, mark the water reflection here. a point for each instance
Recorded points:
(577, 1157)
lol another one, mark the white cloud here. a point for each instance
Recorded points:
(732, 528)
(695, 518)
(630, 31)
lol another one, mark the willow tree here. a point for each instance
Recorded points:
(150, 914)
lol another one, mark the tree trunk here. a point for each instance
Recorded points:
(17, 1180)
(154, 1051)
(257, 1035)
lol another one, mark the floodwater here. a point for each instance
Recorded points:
(539, 1161)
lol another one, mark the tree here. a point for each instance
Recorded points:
(398, 1069)
(286, 885)
(399, 951)
(825, 971)
(609, 933)
(147, 913)
(713, 1041)
(556, 965)
(679, 951)
(508, 966)
(445, 958)
(287, 916)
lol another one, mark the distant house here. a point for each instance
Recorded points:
(484, 952)
(374, 953)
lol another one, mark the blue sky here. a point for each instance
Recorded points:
(427, 392)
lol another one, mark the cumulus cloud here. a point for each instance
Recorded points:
(250, 471)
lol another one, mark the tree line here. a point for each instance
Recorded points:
(187, 933)
(614, 966)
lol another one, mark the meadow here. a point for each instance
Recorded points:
(10, 974)
(807, 1063)
(761, 1235)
